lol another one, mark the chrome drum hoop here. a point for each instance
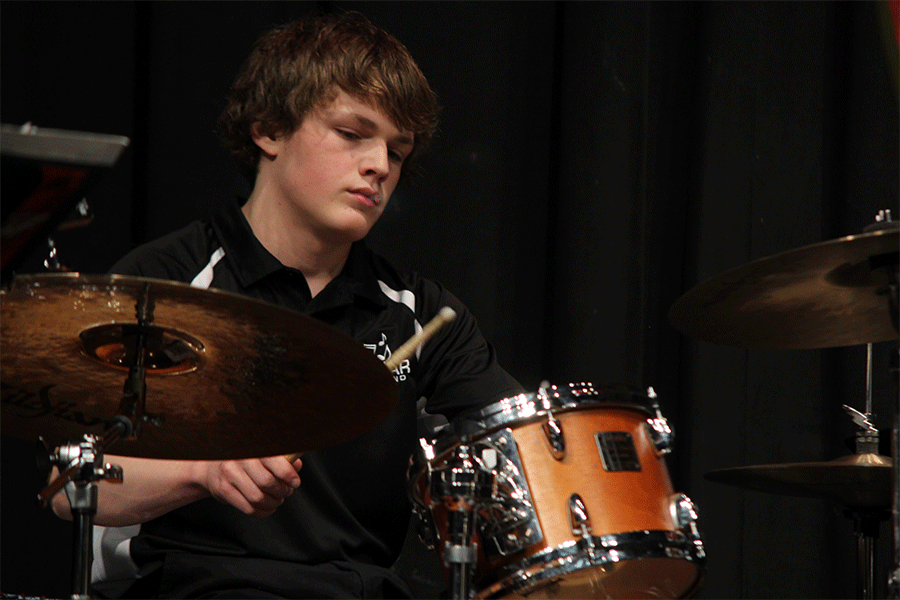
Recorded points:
(552, 564)
(527, 407)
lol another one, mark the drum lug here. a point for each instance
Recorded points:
(580, 522)
(578, 516)
(658, 427)
(684, 512)
(553, 433)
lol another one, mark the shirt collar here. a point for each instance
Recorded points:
(251, 262)
(249, 259)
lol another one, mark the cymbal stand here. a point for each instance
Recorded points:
(887, 265)
(866, 522)
(81, 465)
(464, 484)
(894, 578)
(865, 519)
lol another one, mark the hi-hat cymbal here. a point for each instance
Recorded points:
(818, 296)
(858, 480)
(231, 377)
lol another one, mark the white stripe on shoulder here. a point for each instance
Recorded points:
(204, 278)
(406, 298)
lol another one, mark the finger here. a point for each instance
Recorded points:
(275, 477)
(283, 469)
(241, 491)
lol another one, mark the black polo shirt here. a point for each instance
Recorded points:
(340, 532)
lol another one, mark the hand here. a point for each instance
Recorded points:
(255, 486)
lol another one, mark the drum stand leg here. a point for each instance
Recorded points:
(83, 499)
(866, 523)
(81, 466)
(891, 291)
(463, 484)
(460, 553)
(894, 579)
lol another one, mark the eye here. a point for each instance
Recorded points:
(347, 134)
(395, 156)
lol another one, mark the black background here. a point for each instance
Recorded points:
(596, 160)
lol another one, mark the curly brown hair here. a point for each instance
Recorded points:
(302, 65)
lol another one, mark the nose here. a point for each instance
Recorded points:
(375, 161)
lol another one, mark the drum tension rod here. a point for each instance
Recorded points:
(552, 428)
(658, 426)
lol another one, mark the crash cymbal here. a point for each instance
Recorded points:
(230, 376)
(859, 480)
(818, 296)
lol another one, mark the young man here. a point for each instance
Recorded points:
(327, 115)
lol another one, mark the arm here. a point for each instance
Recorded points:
(154, 487)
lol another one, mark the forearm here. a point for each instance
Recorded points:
(150, 488)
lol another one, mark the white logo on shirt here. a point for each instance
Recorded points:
(383, 352)
(381, 349)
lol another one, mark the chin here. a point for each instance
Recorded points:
(349, 235)
(354, 230)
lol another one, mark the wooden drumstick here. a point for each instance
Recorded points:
(444, 316)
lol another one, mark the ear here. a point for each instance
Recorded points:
(268, 144)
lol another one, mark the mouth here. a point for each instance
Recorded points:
(367, 196)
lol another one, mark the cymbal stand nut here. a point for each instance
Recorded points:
(867, 442)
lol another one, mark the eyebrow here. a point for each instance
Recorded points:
(401, 139)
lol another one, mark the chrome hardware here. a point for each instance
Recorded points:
(463, 481)
(553, 433)
(508, 523)
(658, 427)
(425, 526)
(552, 428)
(579, 519)
(867, 435)
(580, 522)
(684, 513)
(484, 477)
(458, 554)
(683, 509)
(552, 564)
(465, 486)
(85, 455)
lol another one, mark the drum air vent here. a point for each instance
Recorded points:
(617, 451)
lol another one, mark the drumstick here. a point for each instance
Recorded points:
(444, 316)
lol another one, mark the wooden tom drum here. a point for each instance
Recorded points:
(570, 494)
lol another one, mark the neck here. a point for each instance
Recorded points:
(293, 244)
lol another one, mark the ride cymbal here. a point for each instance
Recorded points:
(857, 480)
(824, 295)
(227, 375)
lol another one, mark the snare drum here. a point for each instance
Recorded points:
(570, 494)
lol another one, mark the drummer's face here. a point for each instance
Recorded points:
(338, 169)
